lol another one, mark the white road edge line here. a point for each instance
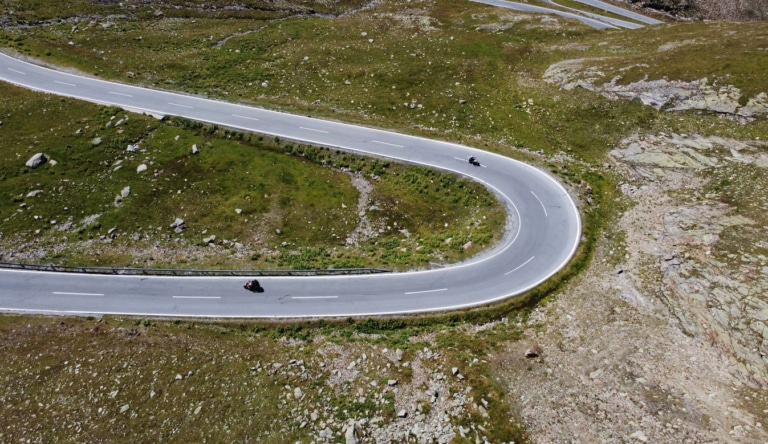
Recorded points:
(120, 94)
(426, 291)
(312, 129)
(542, 204)
(314, 297)
(197, 297)
(385, 143)
(183, 106)
(78, 294)
(63, 83)
(244, 117)
(520, 266)
(17, 71)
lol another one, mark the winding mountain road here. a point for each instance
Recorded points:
(543, 227)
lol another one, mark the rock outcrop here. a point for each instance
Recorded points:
(671, 95)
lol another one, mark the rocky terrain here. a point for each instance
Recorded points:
(708, 9)
(664, 338)
(672, 95)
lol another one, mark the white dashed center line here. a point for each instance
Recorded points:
(520, 266)
(314, 297)
(197, 297)
(183, 106)
(17, 72)
(62, 83)
(120, 94)
(389, 144)
(77, 294)
(312, 129)
(542, 204)
(244, 117)
(427, 291)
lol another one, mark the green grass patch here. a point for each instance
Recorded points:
(270, 204)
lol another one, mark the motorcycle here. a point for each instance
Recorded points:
(253, 286)
(473, 161)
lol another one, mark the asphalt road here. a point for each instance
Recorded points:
(621, 11)
(543, 227)
(594, 20)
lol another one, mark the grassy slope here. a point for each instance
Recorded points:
(116, 381)
(275, 185)
(496, 60)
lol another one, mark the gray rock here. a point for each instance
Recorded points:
(37, 160)
(34, 193)
(399, 354)
(195, 149)
(125, 192)
(351, 436)
(96, 141)
(141, 168)
(297, 393)
(179, 377)
(210, 239)
(392, 382)
(402, 414)
(52, 163)
(132, 148)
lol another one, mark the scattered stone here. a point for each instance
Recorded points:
(132, 148)
(34, 193)
(297, 393)
(141, 168)
(399, 355)
(179, 377)
(239, 210)
(124, 408)
(96, 141)
(402, 414)
(210, 239)
(639, 436)
(195, 149)
(37, 160)
(125, 192)
(392, 382)
(533, 352)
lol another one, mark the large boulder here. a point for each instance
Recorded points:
(37, 160)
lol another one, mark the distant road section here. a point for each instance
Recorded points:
(621, 11)
(542, 233)
(594, 20)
